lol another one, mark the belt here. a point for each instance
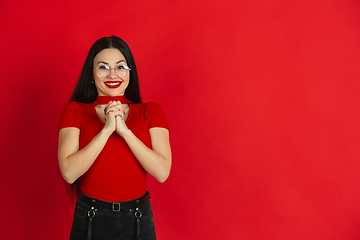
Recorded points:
(116, 207)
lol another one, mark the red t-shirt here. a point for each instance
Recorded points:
(116, 174)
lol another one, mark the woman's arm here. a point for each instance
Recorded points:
(156, 161)
(73, 162)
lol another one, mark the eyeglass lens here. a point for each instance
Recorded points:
(103, 70)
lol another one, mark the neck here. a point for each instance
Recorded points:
(106, 99)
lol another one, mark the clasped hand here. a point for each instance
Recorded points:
(115, 117)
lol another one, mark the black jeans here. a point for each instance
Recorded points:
(107, 224)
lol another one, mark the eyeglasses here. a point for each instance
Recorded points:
(103, 70)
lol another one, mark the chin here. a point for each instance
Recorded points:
(113, 93)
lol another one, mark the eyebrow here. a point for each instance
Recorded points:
(108, 63)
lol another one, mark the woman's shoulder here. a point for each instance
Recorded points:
(146, 105)
(75, 107)
(71, 105)
(74, 104)
(72, 115)
(152, 113)
(151, 109)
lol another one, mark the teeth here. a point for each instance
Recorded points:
(113, 84)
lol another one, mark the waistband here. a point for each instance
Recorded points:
(116, 207)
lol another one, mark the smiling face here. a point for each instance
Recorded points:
(112, 85)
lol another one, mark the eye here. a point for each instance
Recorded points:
(120, 67)
(103, 67)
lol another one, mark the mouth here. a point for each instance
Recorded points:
(113, 84)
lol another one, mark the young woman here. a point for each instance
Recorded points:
(108, 142)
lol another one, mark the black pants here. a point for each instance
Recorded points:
(102, 223)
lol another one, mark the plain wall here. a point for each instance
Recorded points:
(262, 98)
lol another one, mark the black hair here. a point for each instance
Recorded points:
(85, 91)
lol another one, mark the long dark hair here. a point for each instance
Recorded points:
(85, 91)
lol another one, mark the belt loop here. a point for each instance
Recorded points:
(91, 215)
(138, 215)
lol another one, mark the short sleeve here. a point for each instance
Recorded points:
(71, 116)
(156, 116)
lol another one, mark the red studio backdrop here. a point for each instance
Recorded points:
(262, 97)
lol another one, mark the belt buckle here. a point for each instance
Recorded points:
(116, 207)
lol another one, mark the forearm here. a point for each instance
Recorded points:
(154, 163)
(76, 164)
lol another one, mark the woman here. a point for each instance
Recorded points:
(108, 142)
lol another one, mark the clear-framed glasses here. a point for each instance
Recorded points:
(103, 70)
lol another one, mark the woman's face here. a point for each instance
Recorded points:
(111, 85)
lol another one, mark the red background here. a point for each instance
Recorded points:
(262, 99)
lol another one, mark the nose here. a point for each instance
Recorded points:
(112, 73)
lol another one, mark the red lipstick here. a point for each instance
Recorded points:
(113, 84)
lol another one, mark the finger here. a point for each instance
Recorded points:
(116, 108)
(119, 113)
(107, 108)
(121, 109)
(122, 113)
(107, 105)
(113, 113)
(119, 118)
(117, 105)
(111, 104)
(110, 107)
